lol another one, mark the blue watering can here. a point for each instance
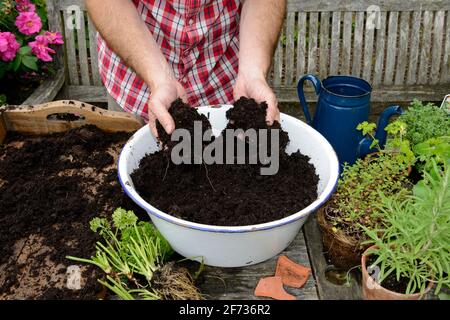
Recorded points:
(343, 103)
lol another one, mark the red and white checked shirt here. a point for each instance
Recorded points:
(199, 39)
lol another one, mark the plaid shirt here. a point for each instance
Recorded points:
(199, 39)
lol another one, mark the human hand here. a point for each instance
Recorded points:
(161, 97)
(256, 87)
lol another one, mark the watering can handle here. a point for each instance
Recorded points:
(301, 94)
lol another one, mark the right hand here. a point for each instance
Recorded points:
(161, 97)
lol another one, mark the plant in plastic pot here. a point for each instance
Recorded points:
(411, 249)
(353, 203)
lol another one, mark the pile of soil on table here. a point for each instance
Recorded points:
(50, 188)
(227, 195)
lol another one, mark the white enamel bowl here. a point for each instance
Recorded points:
(234, 246)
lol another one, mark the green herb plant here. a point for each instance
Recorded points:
(433, 150)
(413, 239)
(425, 122)
(353, 203)
(131, 254)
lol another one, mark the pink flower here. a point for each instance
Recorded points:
(53, 37)
(28, 23)
(8, 46)
(25, 6)
(40, 49)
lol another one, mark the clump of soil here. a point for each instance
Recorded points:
(50, 188)
(184, 117)
(228, 195)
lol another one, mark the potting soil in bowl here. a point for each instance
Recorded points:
(226, 195)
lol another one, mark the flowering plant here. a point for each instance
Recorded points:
(26, 48)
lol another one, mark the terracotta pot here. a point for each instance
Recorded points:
(343, 251)
(373, 291)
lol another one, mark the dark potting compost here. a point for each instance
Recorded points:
(224, 194)
(50, 188)
(391, 283)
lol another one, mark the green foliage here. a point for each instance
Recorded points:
(129, 248)
(386, 171)
(433, 150)
(398, 144)
(3, 99)
(413, 239)
(425, 122)
(369, 129)
(353, 204)
(444, 296)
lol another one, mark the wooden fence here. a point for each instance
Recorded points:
(401, 47)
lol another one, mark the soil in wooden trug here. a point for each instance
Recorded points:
(221, 194)
(50, 188)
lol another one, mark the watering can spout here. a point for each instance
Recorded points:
(381, 134)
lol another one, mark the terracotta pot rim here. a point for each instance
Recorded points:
(401, 296)
(340, 236)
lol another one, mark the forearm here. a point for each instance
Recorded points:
(125, 32)
(260, 26)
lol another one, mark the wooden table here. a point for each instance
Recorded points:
(240, 283)
(306, 249)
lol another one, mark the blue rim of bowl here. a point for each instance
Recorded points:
(222, 229)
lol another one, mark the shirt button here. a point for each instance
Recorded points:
(191, 22)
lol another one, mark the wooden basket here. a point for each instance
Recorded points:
(43, 119)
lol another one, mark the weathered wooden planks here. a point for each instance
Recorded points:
(403, 48)
(70, 54)
(324, 39)
(414, 47)
(84, 93)
(357, 44)
(289, 78)
(385, 94)
(335, 42)
(425, 53)
(359, 6)
(346, 42)
(380, 51)
(312, 42)
(240, 283)
(391, 54)
(436, 54)
(48, 89)
(278, 61)
(93, 55)
(82, 51)
(326, 290)
(389, 43)
(301, 45)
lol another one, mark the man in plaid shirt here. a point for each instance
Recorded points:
(207, 52)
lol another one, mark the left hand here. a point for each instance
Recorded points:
(256, 87)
